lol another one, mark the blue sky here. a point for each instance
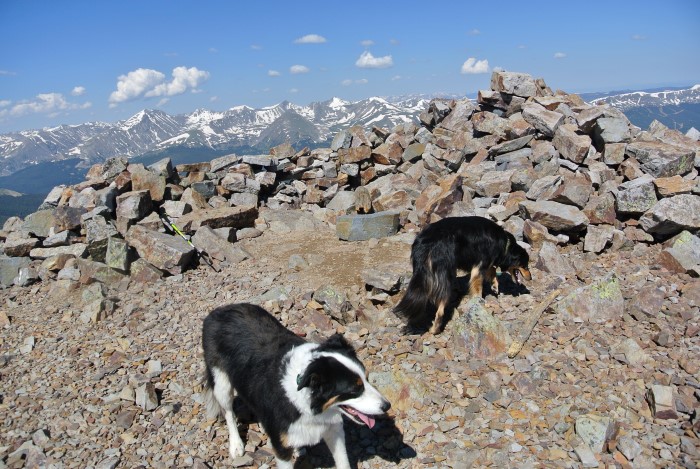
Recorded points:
(67, 62)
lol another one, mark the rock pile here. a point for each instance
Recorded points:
(550, 167)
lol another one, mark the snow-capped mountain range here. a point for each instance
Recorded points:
(242, 128)
(238, 127)
(634, 99)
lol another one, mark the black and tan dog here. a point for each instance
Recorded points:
(473, 244)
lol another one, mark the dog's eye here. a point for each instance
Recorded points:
(359, 384)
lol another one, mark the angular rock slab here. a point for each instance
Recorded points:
(543, 120)
(10, 267)
(519, 84)
(91, 271)
(169, 253)
(683, 255)
(479, 332)
(636, 196)
(222, 217)
(364, 227)
(595, 430)
(553, 215)
(401, 388)
(661, 159)
(672, 215)
(217, 247)
(598, 302)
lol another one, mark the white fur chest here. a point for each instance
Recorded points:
(309, 429)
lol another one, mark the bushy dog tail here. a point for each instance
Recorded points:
(430, 285)
(212, 406)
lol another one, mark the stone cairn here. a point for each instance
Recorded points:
(548, 166)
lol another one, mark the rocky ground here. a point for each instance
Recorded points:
(585, 391)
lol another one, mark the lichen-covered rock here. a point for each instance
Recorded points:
(600, 301)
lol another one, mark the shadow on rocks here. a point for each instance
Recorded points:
(384, 441)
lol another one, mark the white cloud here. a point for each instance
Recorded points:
(348, 82)
(474, 32)
(213, 50)
(367, 60)
(5, 102)
(78, 91)
(183, 79)
(256, 47)
(294, 90)
(522, 46)
(163, 102)
(296, 69)
(7, 73)
(396, 77)
(46, 103)
(273, 73)
(213, 99)
(394, 41)
(135, 84)
(367, 42)
(559, 55)
(310, 39)
(473, 66)
(638, 37)
(148, 83)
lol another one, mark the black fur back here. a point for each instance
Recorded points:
(244, 339)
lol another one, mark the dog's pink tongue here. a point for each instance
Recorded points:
(369, 421)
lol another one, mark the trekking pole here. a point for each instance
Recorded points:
(170, 225)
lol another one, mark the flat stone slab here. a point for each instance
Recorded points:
(553, 215)
(363, 227)
(222, 217)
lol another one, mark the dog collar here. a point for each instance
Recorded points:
(298, 380)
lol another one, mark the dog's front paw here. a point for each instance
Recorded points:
(236, 449)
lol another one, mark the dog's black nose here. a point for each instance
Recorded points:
(386, 405)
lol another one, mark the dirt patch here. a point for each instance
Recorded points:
(330, 260)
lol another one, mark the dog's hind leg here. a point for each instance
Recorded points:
(439, 318)
(476, 282)
(224, 396)
(492, 279)
(335, 439)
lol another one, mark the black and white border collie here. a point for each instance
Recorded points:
(297, 390)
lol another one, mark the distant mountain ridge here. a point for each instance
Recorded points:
(676, 108)
(240, 126)
(632, 99)
(246, 129)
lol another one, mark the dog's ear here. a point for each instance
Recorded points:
(315, 375)
(336, 342)
(309, 379)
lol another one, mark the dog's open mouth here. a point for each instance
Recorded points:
(519, 274)
(357, 416)
(518, 277)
